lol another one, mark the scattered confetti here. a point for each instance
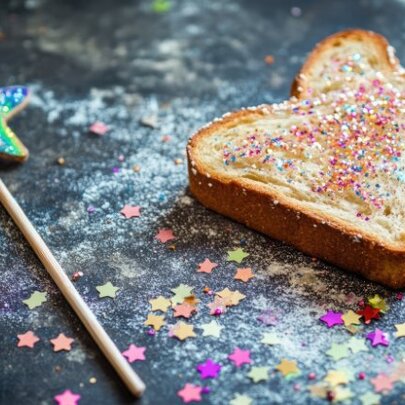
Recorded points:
(107, 290)
(287, 367)
(183, 330)
(244, 274)
(378, 302)
(267, 317)
(338, 351)
(98, 128)
(209, 369)
(258, 374)
(160, 304)
(369, 313)
(378, 337)
(62, 342)
(351, 318)
(381, 383)
(336, 377)
(27, 339)
(134, 353)
(36, 299)
(190, 393)
(369, 398)
(130, 211)
(67, 397)
(206, 266)
(164, 235)
(180, 293)
(270, 339)
(400, 327)
(241, 399)
(356, 345)
(212, 328)
(156, 321)
(240, 357)
(332, 318)
(185, 310)
(236, 255)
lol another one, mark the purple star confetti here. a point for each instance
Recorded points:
(378, 337)
(267, 317)
(209, 369)
(332, 318)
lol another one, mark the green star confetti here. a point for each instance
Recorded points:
(270, 339)
(37, 299)
(180, 292)
(240, 399)
(338, 351)
(258, 374)
(107, 290)
(379, 302)
(236, 255)
(369, 398)
(212, 328)
(356, 345)
(161, 6)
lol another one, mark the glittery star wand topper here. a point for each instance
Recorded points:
(12, 100)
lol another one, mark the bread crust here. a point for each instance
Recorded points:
(271, 213)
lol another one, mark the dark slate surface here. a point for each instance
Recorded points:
(117, 61)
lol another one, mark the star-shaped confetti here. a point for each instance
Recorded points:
(98, 128)
(27, 339)
(240, 357)
(336, 377)
(62, 342)
(67, 397)
(342, 394)
(209, 369)
(351, 318)
(379, 302)
(134, 353)
(400, 327)
(131, 211)
(258, 374)
(338, 351)
(206, 266)
(231, 297)
(378, 337)
(156, 321)
(332, 318)
(369, 398)
(236, 255)
(369, 313)
(382, 382)
(287, 367)
(267, 317)
(164, 235)
(36, 299)
(218, 306)
(160, 304)
(356, 345)
(212, 328)
(190, 393)
(180, 293)
(183, 330)
(107, 290)
(185, 310)
(244, 274)
(241, 399)
(270, 339)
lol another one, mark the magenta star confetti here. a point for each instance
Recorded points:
(240, 357)
(378, 337)
(190, 393)
(267, 317)
(209, 369)
(332, 318)
(67, 397)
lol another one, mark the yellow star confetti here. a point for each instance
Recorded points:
(107, 290)
(160, 304)
(351, 318)
(258, 374)
(156, 321)
(342, 394)
(287, 367)
(180, 293)
(379, 302)
(183, 330)
(270, 339)
(212, 328)
(36, 299)
(400, 327)
(231, 297)
(336, 377)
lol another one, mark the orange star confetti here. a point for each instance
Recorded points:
(62, 342)
(206, 266)
(244, 274)
(287, 367)
(184, 310)
(160, 304)
(156, 321)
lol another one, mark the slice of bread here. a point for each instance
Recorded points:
(324, 171)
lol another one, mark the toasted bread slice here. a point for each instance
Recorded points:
(325, 174)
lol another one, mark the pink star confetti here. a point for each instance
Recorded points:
(382, 382)
(62, 342)
(240, 357)
(332, 318)
(378, 337)
(98, 128)
(209, 369)
(27, 339)
(165, 235)
(134, 353)
(267, 317)
(130, 211)
(190, 393)
(67, 397)
(206, 266)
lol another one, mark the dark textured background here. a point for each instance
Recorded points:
(117, 61)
